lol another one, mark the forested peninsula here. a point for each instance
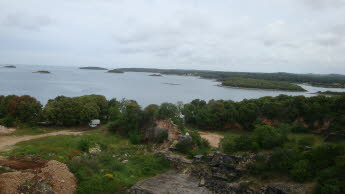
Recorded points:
(280, 81)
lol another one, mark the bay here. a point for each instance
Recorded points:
(145, 89)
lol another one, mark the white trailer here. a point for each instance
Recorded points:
(95, 123)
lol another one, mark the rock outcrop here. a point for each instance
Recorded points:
(163, 126)
(213, 173)
(221, 172)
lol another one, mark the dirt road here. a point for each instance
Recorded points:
(212, 138)
(7, 142)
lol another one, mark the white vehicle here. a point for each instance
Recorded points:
(95, 123)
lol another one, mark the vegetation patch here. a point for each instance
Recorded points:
(261, 84)
(115, 71)
(127, 163)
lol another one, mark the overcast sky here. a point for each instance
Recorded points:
(302, 36)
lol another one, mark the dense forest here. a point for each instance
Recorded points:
(329, 80)
(267, 122)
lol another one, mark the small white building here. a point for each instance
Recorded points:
(95, 123)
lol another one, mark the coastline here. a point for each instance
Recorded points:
(220, 85)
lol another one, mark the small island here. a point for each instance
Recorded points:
(42, 71)
(156, 75)
(115, 71)
(93, 68)
(10, 66)
(172, 84)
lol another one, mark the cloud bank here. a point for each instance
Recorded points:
(299, 36)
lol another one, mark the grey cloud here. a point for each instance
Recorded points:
(335, 36)
(230, 35)
(27, 22)
(323, 4)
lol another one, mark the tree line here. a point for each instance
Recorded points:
(307, 113)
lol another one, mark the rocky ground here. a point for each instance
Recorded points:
(214, 173)
(5, 131)
(170, 182)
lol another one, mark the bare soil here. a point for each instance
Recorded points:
(52, 177)
(22, 163)
(213, 138)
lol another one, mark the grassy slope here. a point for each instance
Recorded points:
(90, 169)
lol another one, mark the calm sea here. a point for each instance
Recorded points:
(145, 89)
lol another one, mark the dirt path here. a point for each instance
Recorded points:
(7, 142)
(212, 138)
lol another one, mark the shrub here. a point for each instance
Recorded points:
(135, 137)
(185, 146)
(228, 146)
(300, 171)
(283, 159)
(269, 137)
(299, 128)
(8, 121)
(85, 144)
(162, 136)
(257, 168)
(193, 145)
(306, 141)
(241, 143)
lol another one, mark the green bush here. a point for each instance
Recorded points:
(269, 137)
(306, 141)
(263, 137)
(8, 121)
(85, 144)
(241, 143)
(299, 128)
(162, 136)
(185, 146)
(193, 145)
(283, 159)
(301, 171)
(135, 137)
